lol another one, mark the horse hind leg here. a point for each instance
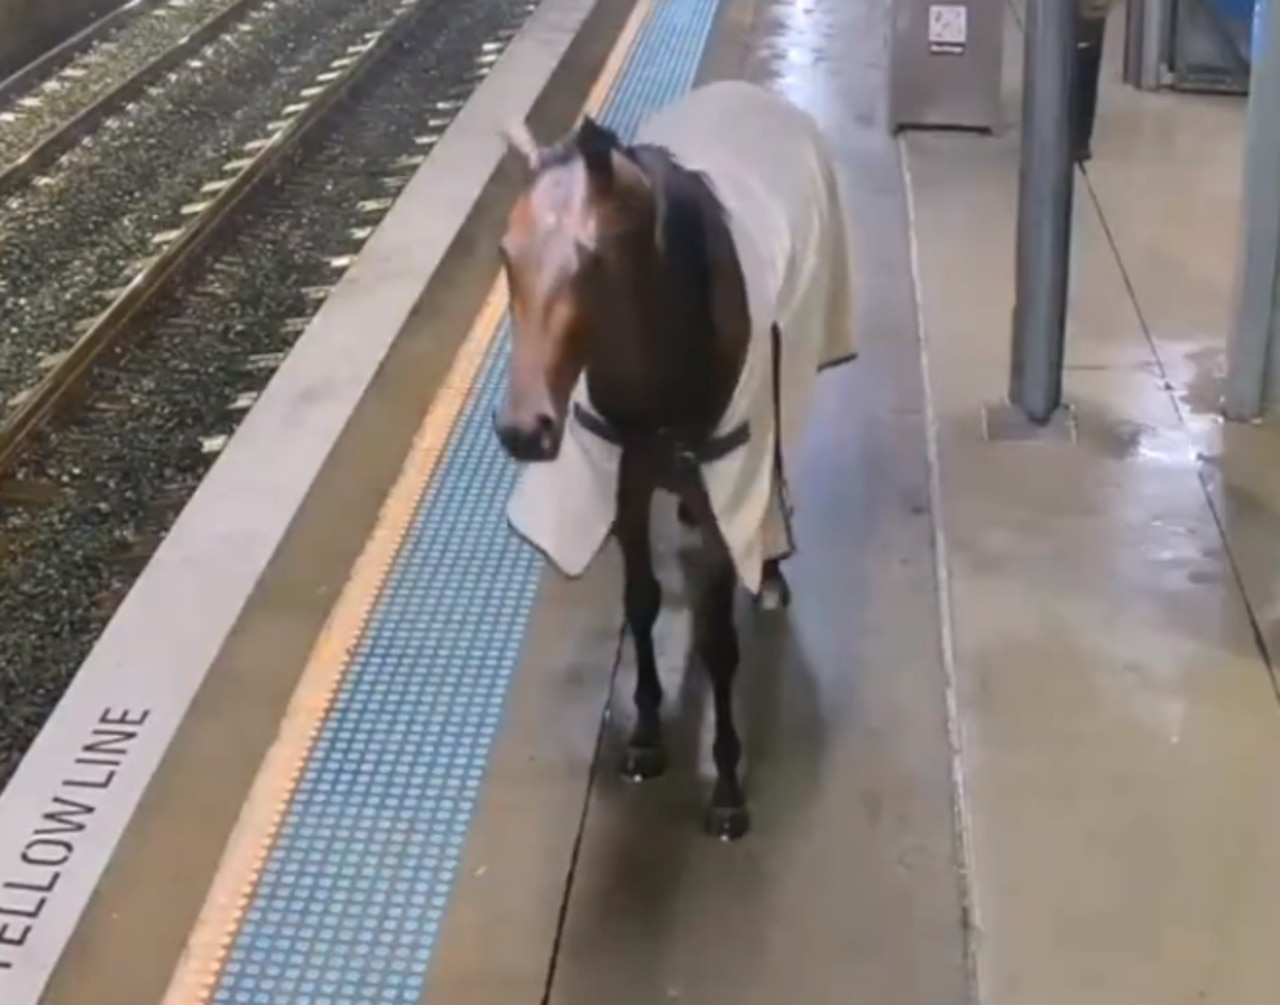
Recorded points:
(685, 515)
(775, 591)
(645, 755)
(727, 815)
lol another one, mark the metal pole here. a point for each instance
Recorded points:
(1146, 42)
(1044, 209)
(1155, 42)
(1134, 15)
(1249, 385)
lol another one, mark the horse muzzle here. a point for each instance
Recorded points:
(530, 442)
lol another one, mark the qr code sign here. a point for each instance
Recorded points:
(948, 27)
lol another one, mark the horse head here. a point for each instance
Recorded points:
(572, 266)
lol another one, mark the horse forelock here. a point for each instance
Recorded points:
(663, 216)
(545, 227)
(564, 215)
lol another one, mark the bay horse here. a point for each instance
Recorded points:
(649, 286)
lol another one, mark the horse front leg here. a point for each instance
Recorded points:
(645, 756)
(717, 642)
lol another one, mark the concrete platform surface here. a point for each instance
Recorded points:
(1013, 744)
(1119, 721)
(210, 643)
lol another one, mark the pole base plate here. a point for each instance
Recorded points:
(1006, 423)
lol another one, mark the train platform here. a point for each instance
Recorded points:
(347, 741)
(1110, 582)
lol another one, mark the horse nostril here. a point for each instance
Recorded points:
(546, 432)
(528, 441)
(510, 435)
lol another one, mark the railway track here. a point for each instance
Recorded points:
(26, 79)
(200, 217)
(215, 200)
(99, 454)
(58, 99)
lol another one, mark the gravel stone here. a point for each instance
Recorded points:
(27, 118)
(116, 472)
(81, 230)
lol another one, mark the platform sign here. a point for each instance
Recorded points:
(948, 29)
(945, 61)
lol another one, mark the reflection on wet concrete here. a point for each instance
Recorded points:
(829, 58)
(1168, 182)
(1125, 439)
(1238, 464)
(1117, 707)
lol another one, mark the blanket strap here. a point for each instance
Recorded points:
(720, 446)
(712, 450)
(779, 470)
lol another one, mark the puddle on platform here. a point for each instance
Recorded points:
(1201, 392)
(1127, 440)
(798, 50)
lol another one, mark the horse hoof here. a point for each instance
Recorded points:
(728, 823)
(642, 764)
(775, 594)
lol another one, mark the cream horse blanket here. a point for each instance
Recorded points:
(770, 166)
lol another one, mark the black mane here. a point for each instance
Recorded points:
(690, 361)
(693, 228)
(689, 208)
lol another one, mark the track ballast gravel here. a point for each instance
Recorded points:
(79, 234)
(28, 117)
(117, 471)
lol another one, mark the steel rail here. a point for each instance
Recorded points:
(45, 151)
(41, 401)
(25, 77)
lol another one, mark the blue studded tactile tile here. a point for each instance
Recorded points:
(350, 901)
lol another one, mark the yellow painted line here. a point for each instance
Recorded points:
(196, 976)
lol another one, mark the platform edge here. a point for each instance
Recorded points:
(187, 601)
(962, 826)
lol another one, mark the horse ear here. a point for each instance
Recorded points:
(609, 170)
(521, 140)
(592, 135)
(597, 145)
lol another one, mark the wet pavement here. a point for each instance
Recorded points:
(1015, 740)
(1119, 719)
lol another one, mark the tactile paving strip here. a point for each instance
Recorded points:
(351, 895)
